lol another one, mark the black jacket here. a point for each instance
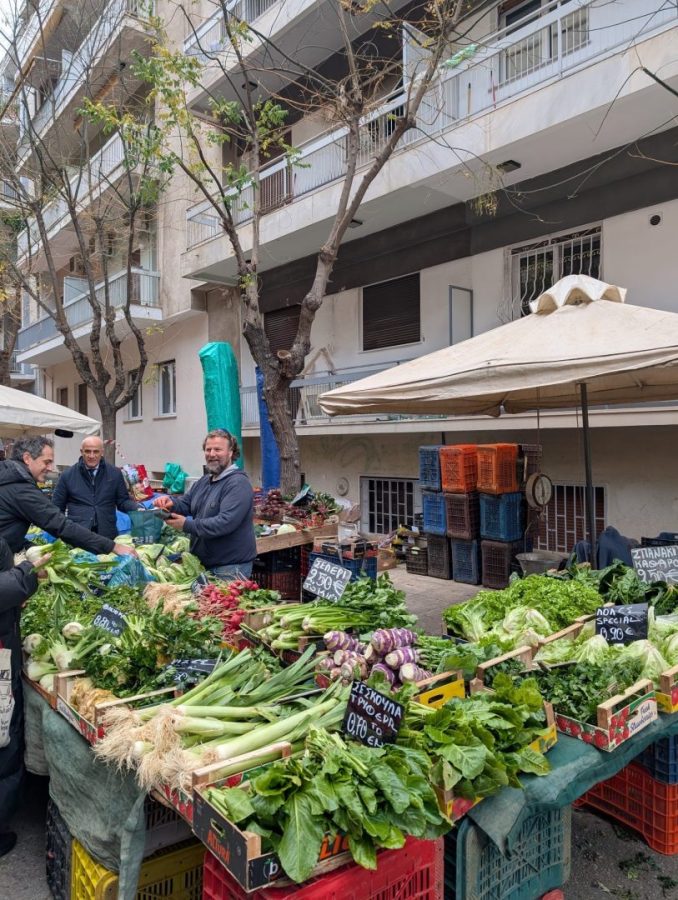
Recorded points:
(92, 503)
(221, 530)
(23, 505)
(16, 586)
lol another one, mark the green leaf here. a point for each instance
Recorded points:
(363, 851)
(238, 804)
(528, 760)
(391, 787)
(302, 839)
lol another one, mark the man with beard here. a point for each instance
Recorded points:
(221, 507)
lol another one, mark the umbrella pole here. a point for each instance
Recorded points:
(590, 511)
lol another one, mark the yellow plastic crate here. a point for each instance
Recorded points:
(174, 873)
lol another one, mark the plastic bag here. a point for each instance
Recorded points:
(146, 526)
(129, 571)
(175, 478)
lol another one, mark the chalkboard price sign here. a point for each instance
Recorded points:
(326, 579)
(656, 563)
(190, 670)
(110, 619)
(622, 624)
(371, 717)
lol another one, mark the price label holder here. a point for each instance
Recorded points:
(200, 582)
(110, 619)
(327, 579)
(371, 717)
(190, 669)
(656, 563)
(622, 624)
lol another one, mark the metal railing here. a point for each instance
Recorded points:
(24, 369)
(144, 292)
(555, 41)
(211, 37)
(33, 28)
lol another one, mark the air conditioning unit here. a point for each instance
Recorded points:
(75, 265)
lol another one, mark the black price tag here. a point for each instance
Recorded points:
(110, 619)
(622, 624)
(200, 582)
(327, 579)
(371, 717)
(656, 563)
(190, 669)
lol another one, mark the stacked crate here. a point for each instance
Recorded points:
(458, 477)
(502, 513)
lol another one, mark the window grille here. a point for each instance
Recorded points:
(563, 521)
(388, 503)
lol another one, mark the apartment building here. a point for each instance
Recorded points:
(570, 100)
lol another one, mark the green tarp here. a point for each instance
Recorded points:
(221, 389)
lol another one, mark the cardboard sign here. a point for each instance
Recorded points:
(110, 619)
(191, 669)
(622, 624)
(327, 580)
(371, 717)
(656, 563)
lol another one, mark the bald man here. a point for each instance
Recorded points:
(91, 491)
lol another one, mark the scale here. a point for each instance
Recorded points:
(538, 490)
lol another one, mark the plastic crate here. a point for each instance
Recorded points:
(540, 860)
(661, 759)
(497, 468)
(439, 557)
(366, 566)
(414, 872)
(502, 517)
(466, 561)
(57, 853)
(498, 562)
(303, 561)
(175, 872)
(279, 560)
(429, 467)
(640, 802)
(529, 461)
(288, 584)
(433, 506)
(164, 827)
(416, 563)
(463, 516)
(458, 468)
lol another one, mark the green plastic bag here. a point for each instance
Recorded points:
(175, 478)
(146, 526)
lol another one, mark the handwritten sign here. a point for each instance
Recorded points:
(371, 717)
(190, 670)
(327, 579)
(622, 624)
(110, 619)
(656, 563)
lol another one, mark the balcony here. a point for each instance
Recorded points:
(7, 195)
(211, 36)
(556, 42)
(41, 342)
(31, 34)
(19, 372)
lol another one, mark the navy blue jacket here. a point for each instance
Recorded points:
(92, 502)
(221, 530)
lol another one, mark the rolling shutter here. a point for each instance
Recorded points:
(281, 326)
(391, 313)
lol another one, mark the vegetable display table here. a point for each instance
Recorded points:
(294, 539)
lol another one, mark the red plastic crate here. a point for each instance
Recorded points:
(413, 873)
(288, 584)
(638, 801)
(458, 468)
(305, 565)
(497, 468)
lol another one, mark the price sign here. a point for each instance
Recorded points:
(190, 669)
(656, 563)
(622, 624)
(327, 579)
(110, 619)
(200, 582)
(371, 717)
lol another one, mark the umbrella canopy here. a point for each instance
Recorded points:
(23, 414)
(580, 332)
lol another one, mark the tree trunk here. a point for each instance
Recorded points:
(5, 376)
(282, 423)
(108, 430)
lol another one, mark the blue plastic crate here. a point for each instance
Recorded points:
(466, 561)
(360, 568)
(501, 517)
(661, 760)
(540, 860)
(429, 467)
(435, 513)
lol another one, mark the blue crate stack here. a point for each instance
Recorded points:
(502, 517)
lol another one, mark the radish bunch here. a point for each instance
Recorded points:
(223, 602)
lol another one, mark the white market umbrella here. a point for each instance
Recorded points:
(24, 415)
(582, 344)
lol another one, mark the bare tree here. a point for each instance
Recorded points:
(223, 145)
(83, 194)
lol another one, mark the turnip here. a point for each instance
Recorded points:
(411, 673)
(397, 658)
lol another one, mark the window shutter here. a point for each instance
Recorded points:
(391, 313)
(281, 326)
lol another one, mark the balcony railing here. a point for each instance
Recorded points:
(33, 28)
(555, 41)
(211, 37)
(302, 397)
(145, 292)
(16, 368)
(97, 172)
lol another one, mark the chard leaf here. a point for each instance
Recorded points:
(528, 760)
(302, 838)
(238, 804)
(363, 852)
(391, 787)
(469, 760)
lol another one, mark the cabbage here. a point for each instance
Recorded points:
(670, 649)
(594, 651)
(653, 662)
(661, 627)
(473, 624)
(528, 637)
(523, 618)
(556, 652)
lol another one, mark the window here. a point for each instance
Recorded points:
(167, 388)
(563, 521)
(135, 406)
(281, 326)
(534, 268)
(391, 313)
(81, 397)
(461, 314)
(62, 396)
(388, 503)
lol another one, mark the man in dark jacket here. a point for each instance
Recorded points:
(17, 583)
(221, 505)
(91, 491)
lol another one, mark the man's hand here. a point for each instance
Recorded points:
(163, 502)
(176, 521)
(124, 550)
(40, 564)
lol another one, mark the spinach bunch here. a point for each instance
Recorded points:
(384, 603)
